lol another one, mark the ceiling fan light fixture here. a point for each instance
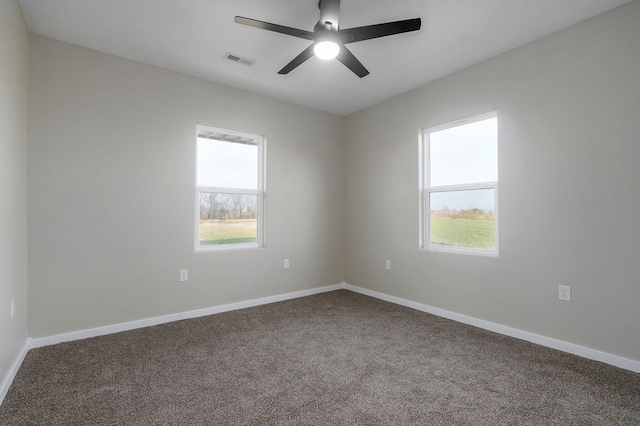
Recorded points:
(326, 49)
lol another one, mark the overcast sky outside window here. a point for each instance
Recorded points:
(482, 199)
(227, 164)
(460, 155)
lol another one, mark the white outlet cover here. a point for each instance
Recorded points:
(564, 293)
(286, 264)
(184, 275)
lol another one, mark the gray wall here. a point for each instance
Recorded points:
(111, 192)
(569, 150)
(14, 57)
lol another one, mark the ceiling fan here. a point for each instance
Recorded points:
(329, 41)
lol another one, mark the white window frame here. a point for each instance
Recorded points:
(260, 192)
(426, 189)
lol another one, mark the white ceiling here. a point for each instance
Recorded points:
(192, 37)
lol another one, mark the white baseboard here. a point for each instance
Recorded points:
(148, 322)
(11, 374)
(571, 348)
(560, 345)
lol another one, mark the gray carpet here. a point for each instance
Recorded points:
(337, 358)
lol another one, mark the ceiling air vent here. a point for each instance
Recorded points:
(239, 59)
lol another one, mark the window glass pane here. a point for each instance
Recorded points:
(226, 164)
(464, 154)
(228, 218)
(463, 218)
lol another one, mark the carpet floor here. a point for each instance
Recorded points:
(337, 358)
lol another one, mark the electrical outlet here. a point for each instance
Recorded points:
(286, 264)
(13, 308)
(184, 275)
(388, 264)
(564, 293)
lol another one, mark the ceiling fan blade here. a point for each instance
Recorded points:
(298, 60)
(274, 27)
(351, 35)
(350, 61)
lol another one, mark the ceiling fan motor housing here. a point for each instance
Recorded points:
(329, 12)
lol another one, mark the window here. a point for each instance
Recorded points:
(459, 184)
(229, 189)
